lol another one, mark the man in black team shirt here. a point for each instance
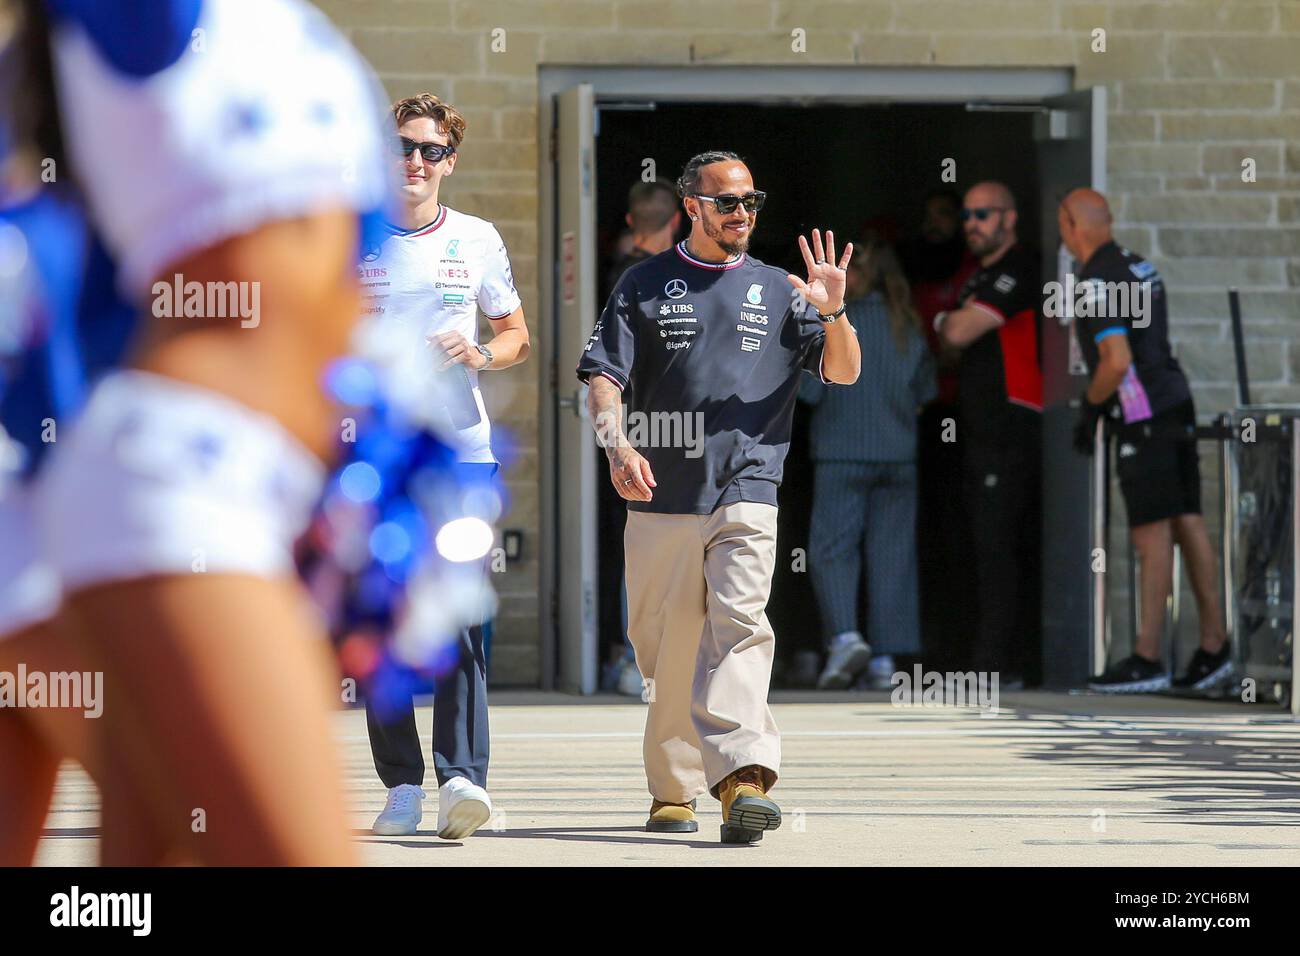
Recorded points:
(1122, 324)
(706, 345)
(1001, 392)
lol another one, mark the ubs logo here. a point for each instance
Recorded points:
(675, 289)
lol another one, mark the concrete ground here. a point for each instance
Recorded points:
(1050, 779)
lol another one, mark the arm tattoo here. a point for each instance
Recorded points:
(604, 403)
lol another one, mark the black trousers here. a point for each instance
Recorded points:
(1003, 491)
(946, 558)
(460, 726)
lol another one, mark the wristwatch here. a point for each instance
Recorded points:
(828, 319)
(486, 353)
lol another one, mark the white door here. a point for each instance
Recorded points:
(575, 462)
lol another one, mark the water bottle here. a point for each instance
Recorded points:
(458, 392)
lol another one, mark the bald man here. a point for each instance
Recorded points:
(1136, 384)
(1001, 391)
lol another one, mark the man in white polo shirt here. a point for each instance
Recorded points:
(425, 286)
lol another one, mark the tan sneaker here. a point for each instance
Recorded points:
(746, 810)
(672, 818)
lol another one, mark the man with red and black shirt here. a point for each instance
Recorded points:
(1001, 392)
(1122, 324)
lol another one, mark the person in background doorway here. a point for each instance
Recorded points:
(863, 446)
(937, 264)
(653, 221)
(1137, 384)
(1001, 388)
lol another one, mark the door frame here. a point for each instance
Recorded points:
(742, 85)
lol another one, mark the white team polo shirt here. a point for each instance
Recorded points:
(425, 281)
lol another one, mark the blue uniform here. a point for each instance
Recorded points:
(64, 325)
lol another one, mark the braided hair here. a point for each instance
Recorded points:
(689, 181)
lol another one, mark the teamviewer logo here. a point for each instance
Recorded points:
(748, 344)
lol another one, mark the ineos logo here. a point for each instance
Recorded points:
(675, 289)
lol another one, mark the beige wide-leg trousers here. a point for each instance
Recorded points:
(697, 588)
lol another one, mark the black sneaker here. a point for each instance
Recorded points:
(1206, 670)
(1133, 675)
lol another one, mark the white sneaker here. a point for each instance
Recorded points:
(630, 683)
(845, 662)
(402, 813)
(880, 672)
(462, 808)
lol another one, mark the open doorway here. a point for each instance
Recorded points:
(852, 168)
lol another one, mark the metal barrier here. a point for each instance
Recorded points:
(1259, 483)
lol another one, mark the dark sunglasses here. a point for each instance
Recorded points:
(980, 214)
(726, 204)
(432, 152)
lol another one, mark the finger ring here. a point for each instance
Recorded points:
(821, 262)
(628, 482)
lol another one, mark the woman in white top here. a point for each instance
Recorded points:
(230, 148)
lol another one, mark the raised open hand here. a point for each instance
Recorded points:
(824, 289)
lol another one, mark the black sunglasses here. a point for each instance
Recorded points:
(432, 152)
(982, 213)
(726, 204)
